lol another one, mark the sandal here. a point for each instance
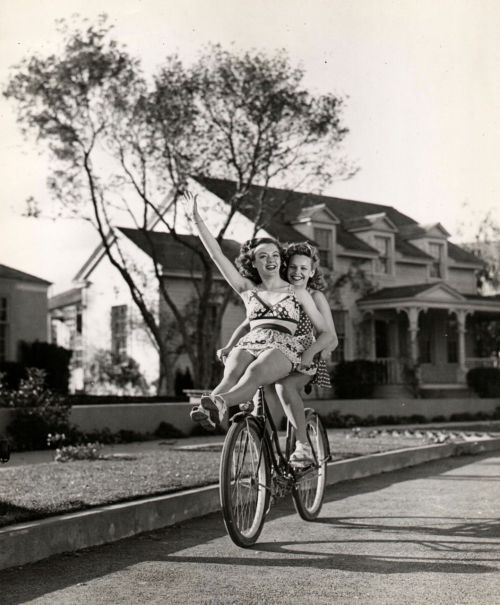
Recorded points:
(208, 415)
(302, 456)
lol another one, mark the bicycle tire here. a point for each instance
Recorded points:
(245, 477)
(309, 489)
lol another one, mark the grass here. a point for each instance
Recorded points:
(34, 491)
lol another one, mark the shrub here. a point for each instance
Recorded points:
(85, 451)
(111, 373)
(165, 430)
(52, 359)
(484, 381)
(355, 379)
(49, 357)
(37, 412)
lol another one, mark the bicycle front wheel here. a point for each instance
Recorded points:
(244, 482)
(309, 488)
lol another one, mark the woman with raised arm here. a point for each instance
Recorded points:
(302, 270)
(270, 351)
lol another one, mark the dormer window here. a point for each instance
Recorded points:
(324, 240)
(436, 250)
(383, 263)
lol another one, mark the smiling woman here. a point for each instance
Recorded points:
(271, 350)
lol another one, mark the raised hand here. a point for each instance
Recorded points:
(192, 202)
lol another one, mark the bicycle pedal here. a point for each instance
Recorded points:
(247, 406)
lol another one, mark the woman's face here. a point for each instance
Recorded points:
(299, 270)
(267, 260)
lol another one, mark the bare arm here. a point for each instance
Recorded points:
(235, 336)
(324, 308)
(225, 266)
(325, 336)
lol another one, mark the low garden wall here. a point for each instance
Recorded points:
(145, 417)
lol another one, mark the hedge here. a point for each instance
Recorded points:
(484, 381)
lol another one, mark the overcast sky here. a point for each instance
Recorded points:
(421, 77)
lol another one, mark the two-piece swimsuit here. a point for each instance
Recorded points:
(274, 326)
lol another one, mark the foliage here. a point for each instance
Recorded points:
(111, 373)
(486, 246)
(84, 451)
(118, 142)
(37, 412)
(165, 430)
(336, 420)
(355, 379)
(54, 360)
(484, 381)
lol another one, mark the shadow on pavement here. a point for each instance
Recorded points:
(19, 585)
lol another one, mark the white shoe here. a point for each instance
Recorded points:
(302, 456)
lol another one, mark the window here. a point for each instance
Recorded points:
(340, 320)
(437, 253)
(324, 239)
(381, 340)
(424, 348)
(452, 340)
(119, 329)
(383, 262)
(4, 327)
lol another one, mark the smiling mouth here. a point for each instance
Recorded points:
(297, 277)
(271, 267)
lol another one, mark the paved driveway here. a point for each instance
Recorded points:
(425, 535)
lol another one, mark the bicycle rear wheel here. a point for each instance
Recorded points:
(309, 488)
(244, 482)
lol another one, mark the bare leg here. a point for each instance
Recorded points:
(236, 363)
(273, 402)
(269, 367)
(288, 391)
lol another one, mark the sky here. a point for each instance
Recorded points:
(420, 80)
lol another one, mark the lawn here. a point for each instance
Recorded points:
(33, 491)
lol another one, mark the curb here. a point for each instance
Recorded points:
(29, 542)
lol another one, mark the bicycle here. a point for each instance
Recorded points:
(254, 471)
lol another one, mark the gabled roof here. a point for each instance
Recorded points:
(309, 212)
(436, 291)
(174, 255)
(68, 297)
(282, 206)
(409, 249)
(418, 231)
(463, 256)
(15, 274)
(360, 223)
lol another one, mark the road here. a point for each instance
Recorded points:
(430, 534)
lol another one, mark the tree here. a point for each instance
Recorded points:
(124, 145)
(486, 246)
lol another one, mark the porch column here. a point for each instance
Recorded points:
(412, 314)
(462, 367)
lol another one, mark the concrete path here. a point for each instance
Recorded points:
(429, 534)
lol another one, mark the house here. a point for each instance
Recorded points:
(98, 313)
(401, 293)
(23, 311)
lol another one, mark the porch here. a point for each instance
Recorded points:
(430, 334)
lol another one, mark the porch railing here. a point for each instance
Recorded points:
(390, 370)
(482, 362)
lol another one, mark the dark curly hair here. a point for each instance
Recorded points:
(246, 257)
(317, 281)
